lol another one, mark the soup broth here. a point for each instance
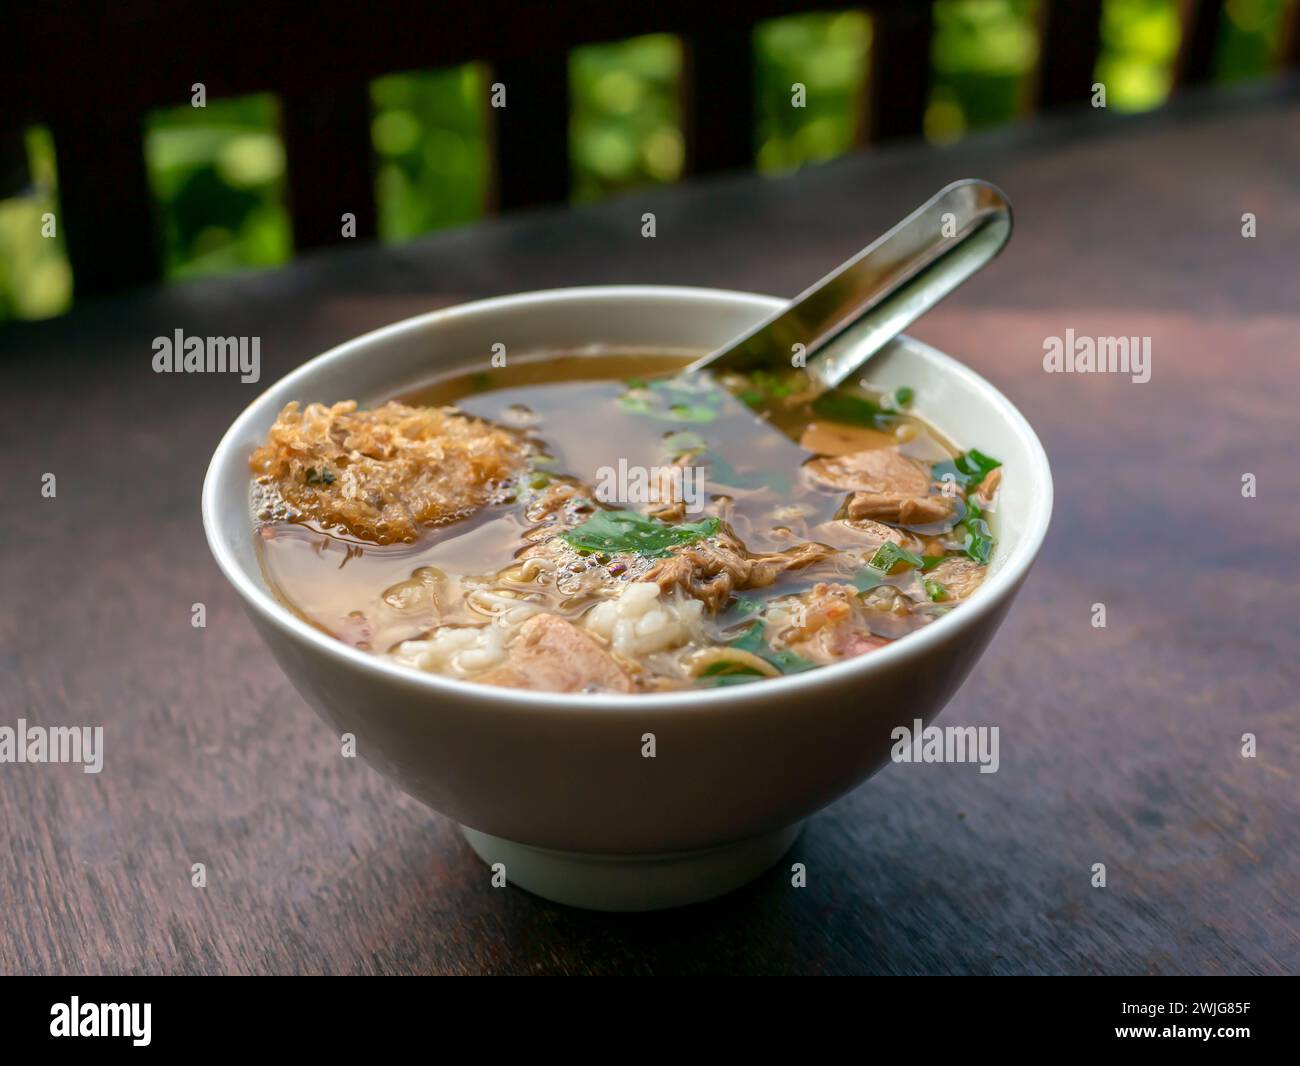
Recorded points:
(600, 522)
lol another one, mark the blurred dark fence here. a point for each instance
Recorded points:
(91, 73)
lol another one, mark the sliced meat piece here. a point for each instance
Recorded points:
(866, 534)
(887, 487)
(959, 576)
(768, 566)
(711, 570)
(876, 470)
(832, 438)
(896, 507)
(552, 655)
(381, 475)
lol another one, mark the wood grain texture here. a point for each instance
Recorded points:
(1119, 745)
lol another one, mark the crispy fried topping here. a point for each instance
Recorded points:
(381, 475)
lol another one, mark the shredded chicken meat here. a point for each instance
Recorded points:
(712, 570)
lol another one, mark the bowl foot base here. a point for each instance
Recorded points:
(632, 882)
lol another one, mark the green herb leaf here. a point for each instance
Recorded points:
(753, 641)
(690, 412)
(935, 591)
(678, 399)
(903, 397)
(684, 442)
(742, 606)
(624, 532)
(968, 469)
(637, 404)
(764, 385)
(851, 410)
(975, 531)
(979, 547)
(889, 555)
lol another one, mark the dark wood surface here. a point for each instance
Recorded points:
(1118, 745)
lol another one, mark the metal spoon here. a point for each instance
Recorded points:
(881, 290)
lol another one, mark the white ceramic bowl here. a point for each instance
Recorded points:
(555, 786)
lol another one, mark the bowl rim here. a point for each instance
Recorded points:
(915, 645)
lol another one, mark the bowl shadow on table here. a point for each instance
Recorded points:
(837, 924)
(441, 914)
(770, 926)
(754, 929)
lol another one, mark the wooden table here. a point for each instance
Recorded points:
(1119, 745)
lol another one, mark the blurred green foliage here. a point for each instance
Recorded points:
(984, 56)
(625, 128)
(1139, 45)
(827, 55)
(218, 173)
(1249, 38)
(430, 137)
(35, 280)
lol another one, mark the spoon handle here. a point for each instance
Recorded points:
(881, 290)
